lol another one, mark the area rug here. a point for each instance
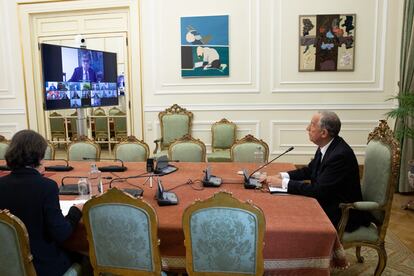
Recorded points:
(400, 259)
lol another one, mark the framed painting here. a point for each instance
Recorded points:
(327, 42)
(205, 46)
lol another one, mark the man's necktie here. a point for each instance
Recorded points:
(318, 159)
(86, 75)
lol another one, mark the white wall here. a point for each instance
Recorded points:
(265, 93)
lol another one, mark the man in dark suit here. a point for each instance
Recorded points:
(84, 72)
(34, 199)
(333, 173)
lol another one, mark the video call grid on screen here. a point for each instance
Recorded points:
(77, 78)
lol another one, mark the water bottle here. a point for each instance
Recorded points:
(95, 181)
(259, 155)
(83, 188)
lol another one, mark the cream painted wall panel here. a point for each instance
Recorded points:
(12, 98)
(51, 26)
(162, 62)
(369, 33)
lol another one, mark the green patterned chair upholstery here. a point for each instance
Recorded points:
(378, 186)
(243, 149)
(50, 151)
(223, 136)
(101, 124)
(223, 236)
(187, 149)
(15, 256)
(120, 126)
(175, 122)
(4, 145)
(57, 126)
(132, 150)
(122, 235)
(83, 147)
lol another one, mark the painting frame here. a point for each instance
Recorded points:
(205, 49)
(327, 42)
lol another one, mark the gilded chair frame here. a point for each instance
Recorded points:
(52, 150)
(223, 199)
(84, 139)
(133, 140)
(250, 139)
(383, 134)
(115, 196)
(188, 139)
(23, 240)
(223, 121)
(175, 109)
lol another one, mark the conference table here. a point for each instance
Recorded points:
(299, 237)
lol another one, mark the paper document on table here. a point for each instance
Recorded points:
(66, 204)
(277, 190)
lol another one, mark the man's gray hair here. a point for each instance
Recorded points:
(330, 121)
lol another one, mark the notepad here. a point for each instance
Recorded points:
(66, 204)
(277, 190)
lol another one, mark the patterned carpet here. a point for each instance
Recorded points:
(400, 259)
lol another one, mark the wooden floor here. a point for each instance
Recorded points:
(402, 221)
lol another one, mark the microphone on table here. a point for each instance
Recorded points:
(69, 189)
(59, 168)
(162, 166)
(134, 192)
(111, 168)
(252, 183)
(72, 189)
(210, 180)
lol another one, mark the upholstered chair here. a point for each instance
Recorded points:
(243, 149)
(378, 186)
(57, 126)
(175, 122)
(122, 235)
(50, 151)
(132, 150)
(223, 236)
(4, 145)
(101, 124)
(187, 149)
(120, 125)
(15, 256)
(83, 147)
(223, 136)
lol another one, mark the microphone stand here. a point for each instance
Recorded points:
(247, 179)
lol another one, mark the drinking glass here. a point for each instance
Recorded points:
(83, 188)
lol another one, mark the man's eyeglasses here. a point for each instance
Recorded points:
(85, 60)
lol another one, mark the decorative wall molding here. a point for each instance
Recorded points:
(12, 111)
(377, 66)
(273, 107)
(279, 126)
(254, 61)
(9, 129)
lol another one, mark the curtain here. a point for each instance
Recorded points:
(406, 86)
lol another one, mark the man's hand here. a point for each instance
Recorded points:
(272, 180)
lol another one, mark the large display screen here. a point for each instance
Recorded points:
(78, 78)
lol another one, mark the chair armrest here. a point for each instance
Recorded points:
(358, 205)
(159, 140)
(367, 205)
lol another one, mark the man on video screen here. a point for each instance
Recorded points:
(84, 72)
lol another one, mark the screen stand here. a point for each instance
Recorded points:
(81, 122)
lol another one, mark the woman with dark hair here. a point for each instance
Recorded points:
(35, 200)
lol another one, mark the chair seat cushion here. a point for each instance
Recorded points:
(219, 156)
(363, 233)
